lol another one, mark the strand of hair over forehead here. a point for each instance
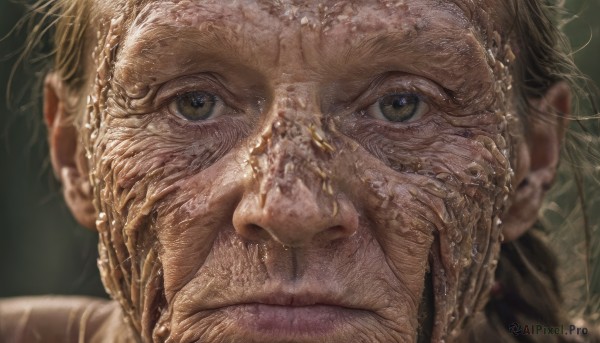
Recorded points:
(62, 24)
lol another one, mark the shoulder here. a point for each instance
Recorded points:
(61, 319)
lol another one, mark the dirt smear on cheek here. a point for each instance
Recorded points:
(462, 260)
(128, 255)
(468, 257)
(462, 180)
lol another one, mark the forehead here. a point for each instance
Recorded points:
(330, 33)
(483, 15)
(482, 12)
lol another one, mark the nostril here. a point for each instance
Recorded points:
(255, 233)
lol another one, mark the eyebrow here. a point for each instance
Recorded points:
(151, 53)
(449, 60)
(202, 41)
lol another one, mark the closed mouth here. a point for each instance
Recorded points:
(282, 316)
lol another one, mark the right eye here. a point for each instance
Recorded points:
(398, 107)
(197, 106)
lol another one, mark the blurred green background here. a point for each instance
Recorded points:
(42, 249)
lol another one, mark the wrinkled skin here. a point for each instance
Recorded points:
(296, 215)
(295, 195)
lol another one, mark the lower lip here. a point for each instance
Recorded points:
(287, 321)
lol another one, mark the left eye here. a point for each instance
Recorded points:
(196, 106)
(398, 107)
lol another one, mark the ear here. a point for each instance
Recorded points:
(538, 157)
(66, 152)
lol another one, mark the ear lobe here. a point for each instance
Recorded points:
(538, 157)
(66, 152)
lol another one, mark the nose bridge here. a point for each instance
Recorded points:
(293, 153)
(292, 181)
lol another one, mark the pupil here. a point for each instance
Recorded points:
(198, 101)
(399, 102)
(196, 105)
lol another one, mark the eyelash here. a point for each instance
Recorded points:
(369, 101)
(398, 107)
(198, 99)
(167, 94)
(430, 95)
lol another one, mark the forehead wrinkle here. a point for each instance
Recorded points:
(205, 28)
(440, 48)
(394, 44)
(485, 15)
(187, 32)
(149, 39)
(159, 38)
(159, 47)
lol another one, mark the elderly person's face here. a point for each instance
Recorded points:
(321, 172)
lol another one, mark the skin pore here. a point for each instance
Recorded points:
(299, 172)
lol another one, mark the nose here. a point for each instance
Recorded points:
(293, 198)
(294, 217)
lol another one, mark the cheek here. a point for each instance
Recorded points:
(143, 174)
(441, 209)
